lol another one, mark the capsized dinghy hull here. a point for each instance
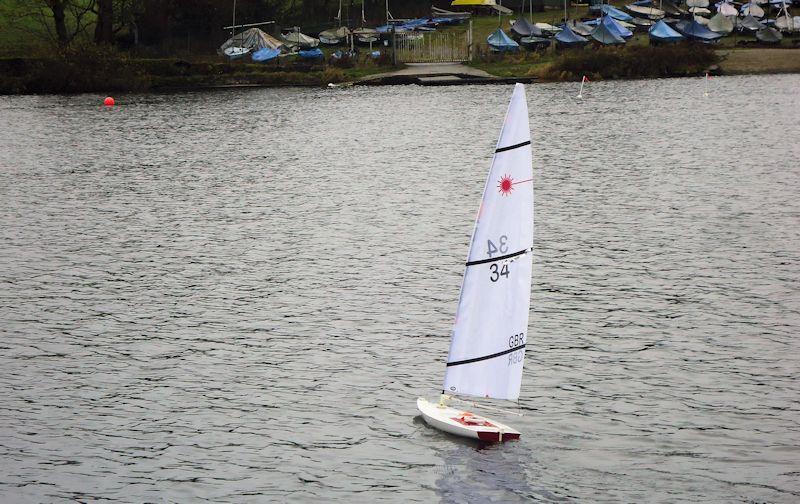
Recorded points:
(464, 423)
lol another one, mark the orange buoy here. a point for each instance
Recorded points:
(108, 102)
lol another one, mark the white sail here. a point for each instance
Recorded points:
(491, 327)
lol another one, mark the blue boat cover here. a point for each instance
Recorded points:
(315, 53)
(610, 10)
(388, 29)
(615, 27)
(446, 20)
(662, 32)
(410, 25)
(696, 31)
(499, 41)
(567, 37)
(606, 36)
(643, 3)
(265, 54)
(341, 54)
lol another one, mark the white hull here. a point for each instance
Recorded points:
(464, 423)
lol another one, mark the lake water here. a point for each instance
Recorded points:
(238, 296)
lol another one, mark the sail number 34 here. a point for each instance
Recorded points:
(497, 271)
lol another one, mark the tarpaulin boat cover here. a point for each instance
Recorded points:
(499, 41)
(720, 23)
(751, 9)
(648, 12)
(696, 31)
(610, 10)
(579, 28)
(366, 34)
(697, 3)
(661, 32)
(253, 39)
(700, 19)
(670, 8)
(295, 39)
(569, 38)
(547, 28)
(605, 36)
(749, 23)
(769, 35)
(524, 28)
(787, 23)
(727, 9)
(335, 34)
(315, 53)
(637, 21)
(265, 54)
(615, 27)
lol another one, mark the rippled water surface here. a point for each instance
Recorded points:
(238, 296)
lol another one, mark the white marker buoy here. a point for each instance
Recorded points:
(580, 93)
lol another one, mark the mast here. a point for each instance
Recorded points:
(233, 25)
(499, 20)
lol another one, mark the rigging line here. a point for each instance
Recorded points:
(500, 258)
(511, 147)
(486, 357)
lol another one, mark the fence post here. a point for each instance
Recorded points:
(394, 46)
(469, 41)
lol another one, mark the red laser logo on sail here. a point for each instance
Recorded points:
(505, 185)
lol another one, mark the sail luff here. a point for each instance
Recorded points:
(489, 334)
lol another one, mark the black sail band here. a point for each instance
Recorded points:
(512, 147)
(499, 258)
(486, 357)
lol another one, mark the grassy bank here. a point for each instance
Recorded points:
(93, 70)
(759, 61)
(628, 62)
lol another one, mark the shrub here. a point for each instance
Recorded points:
(632, 62)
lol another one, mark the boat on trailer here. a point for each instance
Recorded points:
(487, 347)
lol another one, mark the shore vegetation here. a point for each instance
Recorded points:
(68, 46)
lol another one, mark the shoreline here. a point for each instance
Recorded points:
(19, 75)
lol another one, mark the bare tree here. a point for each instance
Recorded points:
(60, 20)
(104, 29)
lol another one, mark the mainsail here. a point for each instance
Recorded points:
(491, 327)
